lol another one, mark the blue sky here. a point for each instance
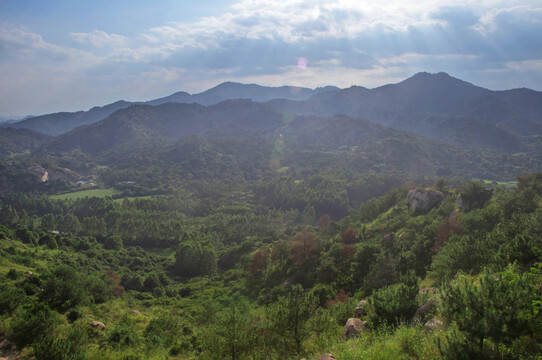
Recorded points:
(66, 55)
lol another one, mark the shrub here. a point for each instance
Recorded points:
(32, 323)
(395, 303)
(124, 333)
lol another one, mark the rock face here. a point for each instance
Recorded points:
(361, 309)
(353, 327)
(326, 357)
(97, 324)
(423, 312)
(433, 324)
(421, 201)
(467, 204)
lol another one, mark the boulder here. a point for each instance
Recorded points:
(433, 324)
(326, 357)
(420, 316)
(421, 201)
(135, 312)
(474, 202)
(361, 309)
(97, 324)
(353, 327)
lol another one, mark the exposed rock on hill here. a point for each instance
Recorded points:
(421, 201)
(353, 327)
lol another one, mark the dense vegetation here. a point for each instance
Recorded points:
(245, 272)
(240, 230)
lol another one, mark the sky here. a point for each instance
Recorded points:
(66, 55)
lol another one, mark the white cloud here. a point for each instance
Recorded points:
(99, 38)
(346, 42)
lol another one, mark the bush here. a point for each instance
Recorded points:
(10, 298)
(32, 323)
(394, 304)
(162, 331)
(124, 333)
(52, 348)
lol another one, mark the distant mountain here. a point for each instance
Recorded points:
(144, 127)
(59, 123)
(232, 90)
(439, 106)
(162, 136)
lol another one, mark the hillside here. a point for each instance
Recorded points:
(222, 267)
(14, 141)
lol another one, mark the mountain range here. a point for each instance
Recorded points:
(427, 125)
(61, 122)
(434, 105)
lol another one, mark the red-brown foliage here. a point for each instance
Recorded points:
(303, 247)
(349, 236)
(323, 222)
(339, 298)
(444, 231)
(260, 259)
(114, 280)
(412, 186)
(349, 250)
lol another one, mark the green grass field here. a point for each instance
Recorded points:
(85, 193)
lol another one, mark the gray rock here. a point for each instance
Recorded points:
(470, 204)
(326, 357)
(421, 201)
(97, 324)
(353, 327)
(420, 316)
(433, 324)
(361, 309)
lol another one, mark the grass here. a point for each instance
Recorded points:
(404, 342)
(505, 183)
(86, 193)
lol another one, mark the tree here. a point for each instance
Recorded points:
(395, 303)
(288, 318)
(196, 256)
(500, 307)
(231, 335)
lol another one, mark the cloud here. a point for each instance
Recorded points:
(344, 42)
(99, 38)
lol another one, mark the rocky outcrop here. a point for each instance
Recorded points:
(423, 313)
(353, 328)
(423, 200)
(361, 309)
(433, 324)
(326, 357)
(468, 203)
(97, 324)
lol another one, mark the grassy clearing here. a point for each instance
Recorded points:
(505, 183)
(86, 193)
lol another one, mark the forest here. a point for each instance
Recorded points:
(275, 269)
(277, 230)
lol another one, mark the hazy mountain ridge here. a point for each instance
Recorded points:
(62, 122)
(411, 104)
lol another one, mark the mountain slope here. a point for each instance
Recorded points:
(500, 118)
(14, 141)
